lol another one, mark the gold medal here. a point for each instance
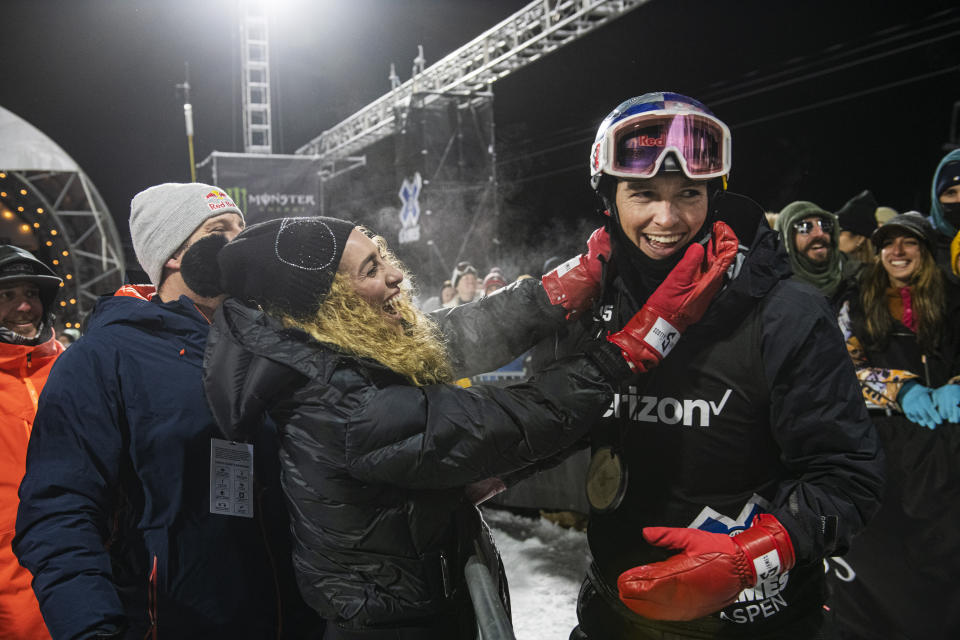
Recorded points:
(606, 480)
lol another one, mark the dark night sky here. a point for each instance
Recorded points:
(844, 95)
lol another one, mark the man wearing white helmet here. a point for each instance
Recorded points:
(719, 482)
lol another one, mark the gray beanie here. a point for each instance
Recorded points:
(164, 216)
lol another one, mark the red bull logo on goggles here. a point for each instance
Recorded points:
(636, 146)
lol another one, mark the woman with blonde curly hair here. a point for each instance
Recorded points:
(382, 458)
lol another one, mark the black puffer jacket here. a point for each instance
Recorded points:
(374, 467)
(757, 409)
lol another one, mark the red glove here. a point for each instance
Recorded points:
(679, 301)
(711, 571)
(575, 284)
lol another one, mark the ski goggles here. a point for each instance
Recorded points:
(636, 146)
(806, 226)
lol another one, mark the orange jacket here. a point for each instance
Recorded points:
(23, 372)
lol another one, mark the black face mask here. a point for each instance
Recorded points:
(199, 267)
(951, 213)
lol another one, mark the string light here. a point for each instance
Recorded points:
(36, 225)
(53, 232)
(8, 215)
(69, 276)
(20, 209)
(39, 209)
(24, 228)
(23, 192)
(55, 262)
(2, 175)
(64, 253)
(3, 194)
(49, 243)
(68, 325)
(63, 303)
(73, 301)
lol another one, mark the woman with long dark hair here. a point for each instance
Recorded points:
(901, 328)
(902, 332)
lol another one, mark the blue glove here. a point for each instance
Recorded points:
(947, 400)
(916, 401)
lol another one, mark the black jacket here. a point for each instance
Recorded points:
(374, 468)
(756, 409)
(902, 351)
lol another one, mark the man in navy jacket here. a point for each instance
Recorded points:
(129, 518)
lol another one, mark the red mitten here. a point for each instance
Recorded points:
(575, 284)
(709, 574)
(680, 300)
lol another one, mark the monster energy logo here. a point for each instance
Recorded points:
(239, 196)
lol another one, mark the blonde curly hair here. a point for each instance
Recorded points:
(354, 326)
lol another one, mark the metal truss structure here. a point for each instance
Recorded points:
(539, 28)
(255, 72)
(63, 214)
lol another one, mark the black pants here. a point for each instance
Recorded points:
(458, 623)
(601, 620)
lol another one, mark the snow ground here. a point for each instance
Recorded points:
(545, 566)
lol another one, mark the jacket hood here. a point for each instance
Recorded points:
(761, 261)
(251, 360)
(936, 209)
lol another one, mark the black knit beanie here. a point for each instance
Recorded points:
(858, 215)
(286, 264)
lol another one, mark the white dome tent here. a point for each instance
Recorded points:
(49, 206)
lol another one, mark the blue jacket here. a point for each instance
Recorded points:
(116, 494)
(936, 208)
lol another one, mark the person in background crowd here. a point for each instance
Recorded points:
(68, 337)
(903, 334)
(435, 302)
(121, 516)
(812, 238)
(464, 282)
(377, 446)
(884, 215)
(902, 327)
(945, 210)
(28, 349)
(721, 480)
(858, 221)
(493, 281)
(447, 292)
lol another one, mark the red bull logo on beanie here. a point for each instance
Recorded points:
(217, 199)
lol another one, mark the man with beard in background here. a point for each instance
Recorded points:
(812, 239)
(119, 517)
(720, 481)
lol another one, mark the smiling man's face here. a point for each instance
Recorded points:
(815, 244)
(21, 309)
